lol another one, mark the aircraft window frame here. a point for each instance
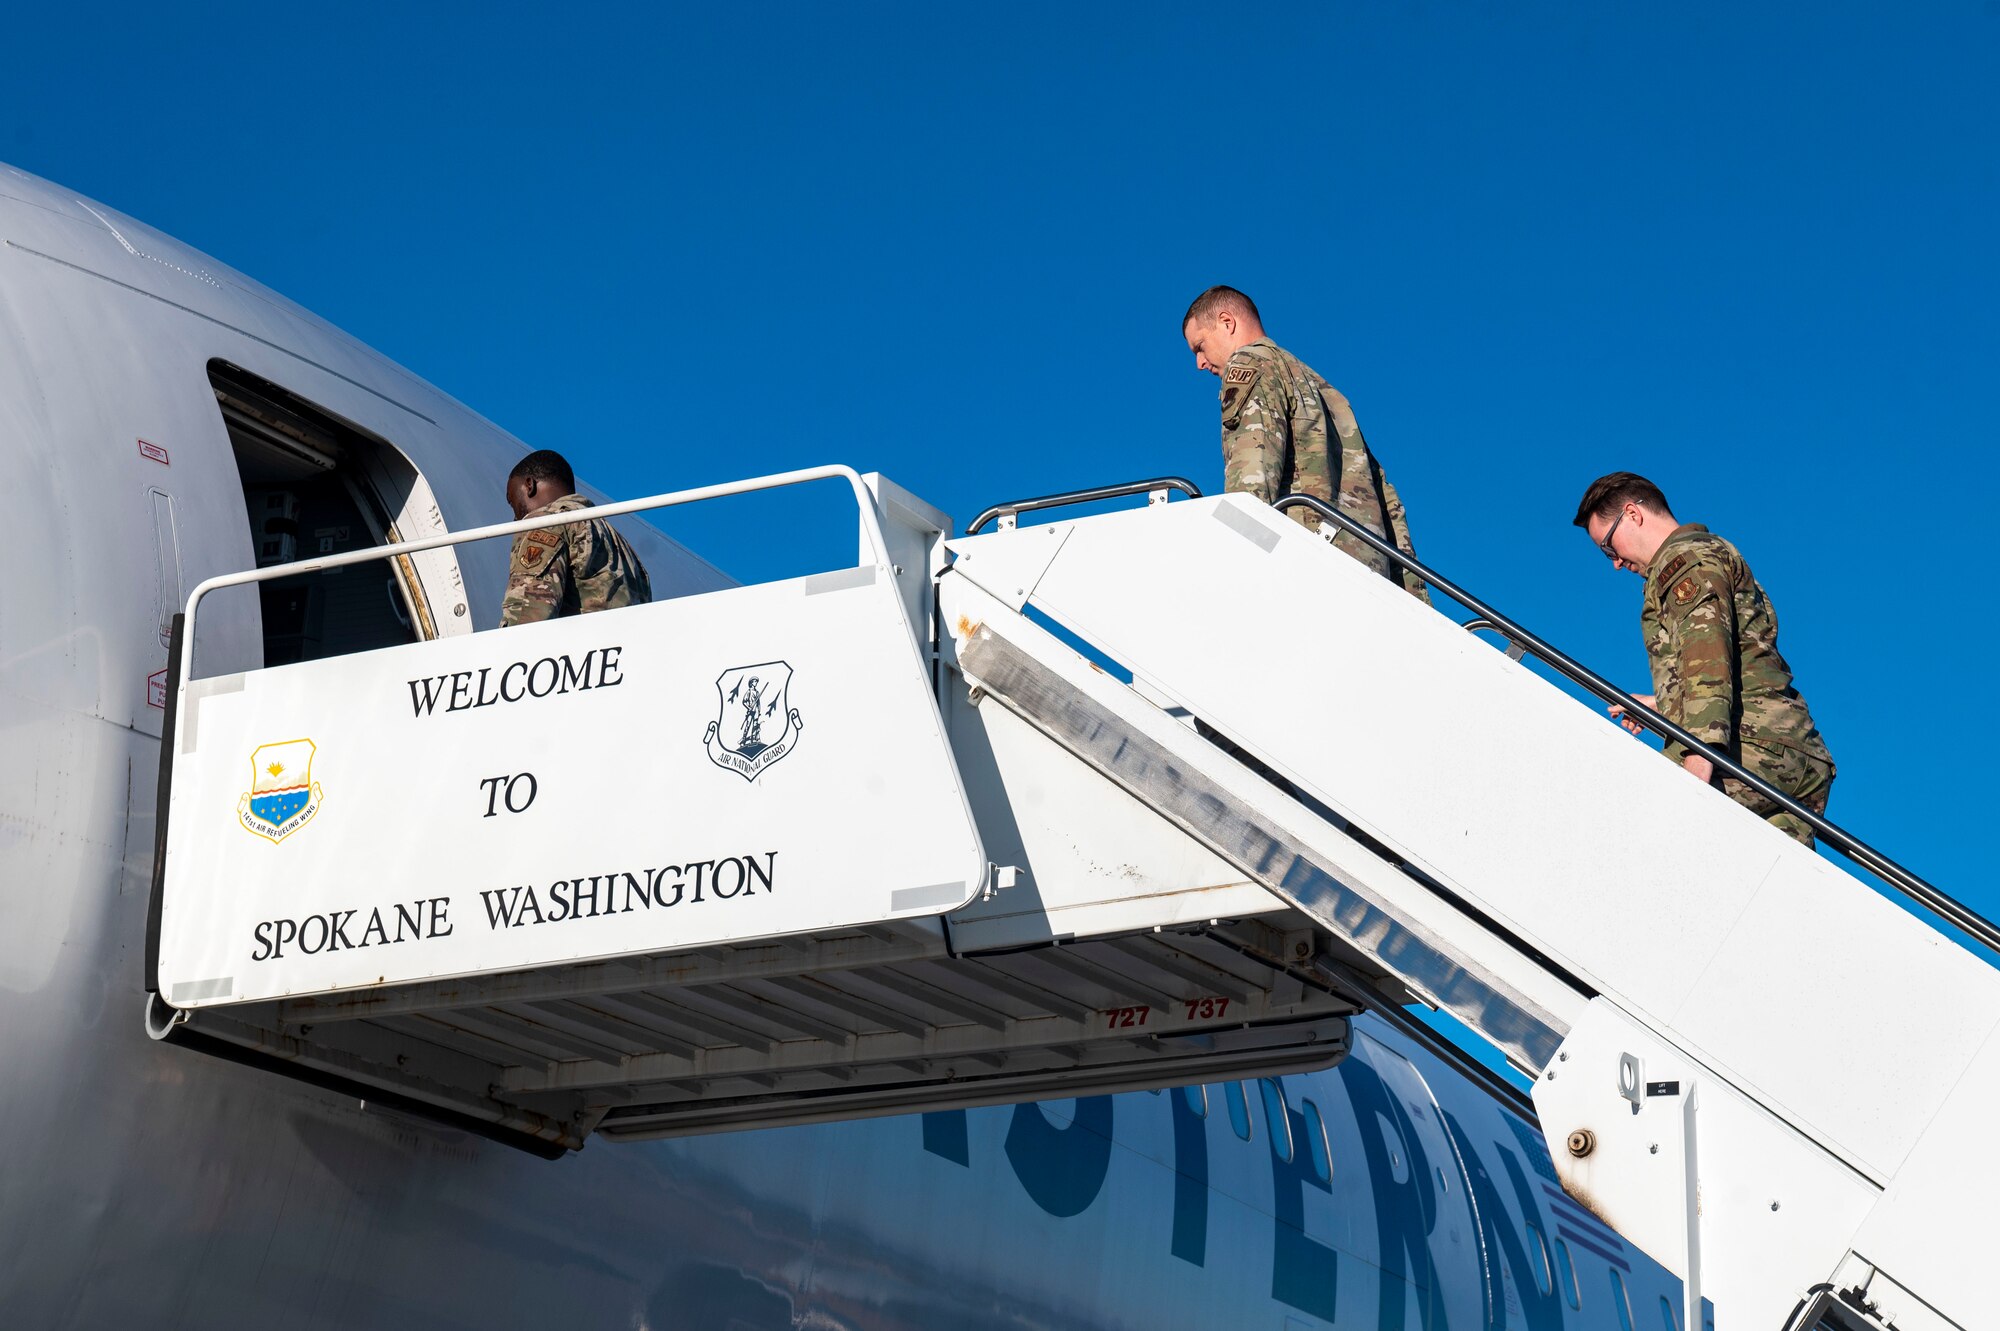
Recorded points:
(1667, 1315)
(1620, 1300)
(1545, 1275)
(1318, 1151)
(1572, 1291)
(1278, 1118)
(1238, 1103)
(1196, 1096)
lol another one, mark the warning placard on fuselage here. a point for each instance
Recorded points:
(717, 768)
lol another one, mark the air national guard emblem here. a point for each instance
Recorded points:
(755, 724)
(282, 797)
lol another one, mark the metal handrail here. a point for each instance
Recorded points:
(1515, 651)
(1855, 849)
(1019, 506)
(871, 527)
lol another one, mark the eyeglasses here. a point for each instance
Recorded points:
(1605, 544)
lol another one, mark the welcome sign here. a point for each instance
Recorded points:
(636, 781)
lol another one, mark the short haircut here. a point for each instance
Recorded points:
(545, 464)
(1608, 494)
(1209, 302)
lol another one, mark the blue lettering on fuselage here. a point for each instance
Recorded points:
(1304, 1272)
(944, 1134)
(1405, 1210)
(1190, 1242)
(1498, 1235)
(1063, 1170)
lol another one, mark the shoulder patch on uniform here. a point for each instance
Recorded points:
(1684, 591)
(535, 552)
(1674, 566)
(1239, 374)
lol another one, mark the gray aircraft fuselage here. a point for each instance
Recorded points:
(154, 1186)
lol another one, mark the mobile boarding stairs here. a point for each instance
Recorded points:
(904, 837)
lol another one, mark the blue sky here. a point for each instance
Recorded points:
(1747, 253)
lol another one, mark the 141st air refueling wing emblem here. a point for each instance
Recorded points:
(282, 797)
(755, 724)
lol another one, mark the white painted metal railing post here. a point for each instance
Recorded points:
(1691, 1318)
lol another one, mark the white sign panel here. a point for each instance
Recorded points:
(710, 769)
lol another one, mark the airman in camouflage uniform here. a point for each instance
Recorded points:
(573, 569)
(1712, 637)
(1285, 430)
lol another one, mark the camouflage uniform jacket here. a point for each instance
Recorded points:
(571, 570)
(1713, 639)
(1286, 431)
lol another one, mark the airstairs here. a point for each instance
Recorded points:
(1141, 798)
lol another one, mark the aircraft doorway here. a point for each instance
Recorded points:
(316, 485)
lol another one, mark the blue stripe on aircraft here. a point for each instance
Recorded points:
(1590, 1245)
(1565, 1209)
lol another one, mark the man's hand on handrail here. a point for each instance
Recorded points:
(1617, 711)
